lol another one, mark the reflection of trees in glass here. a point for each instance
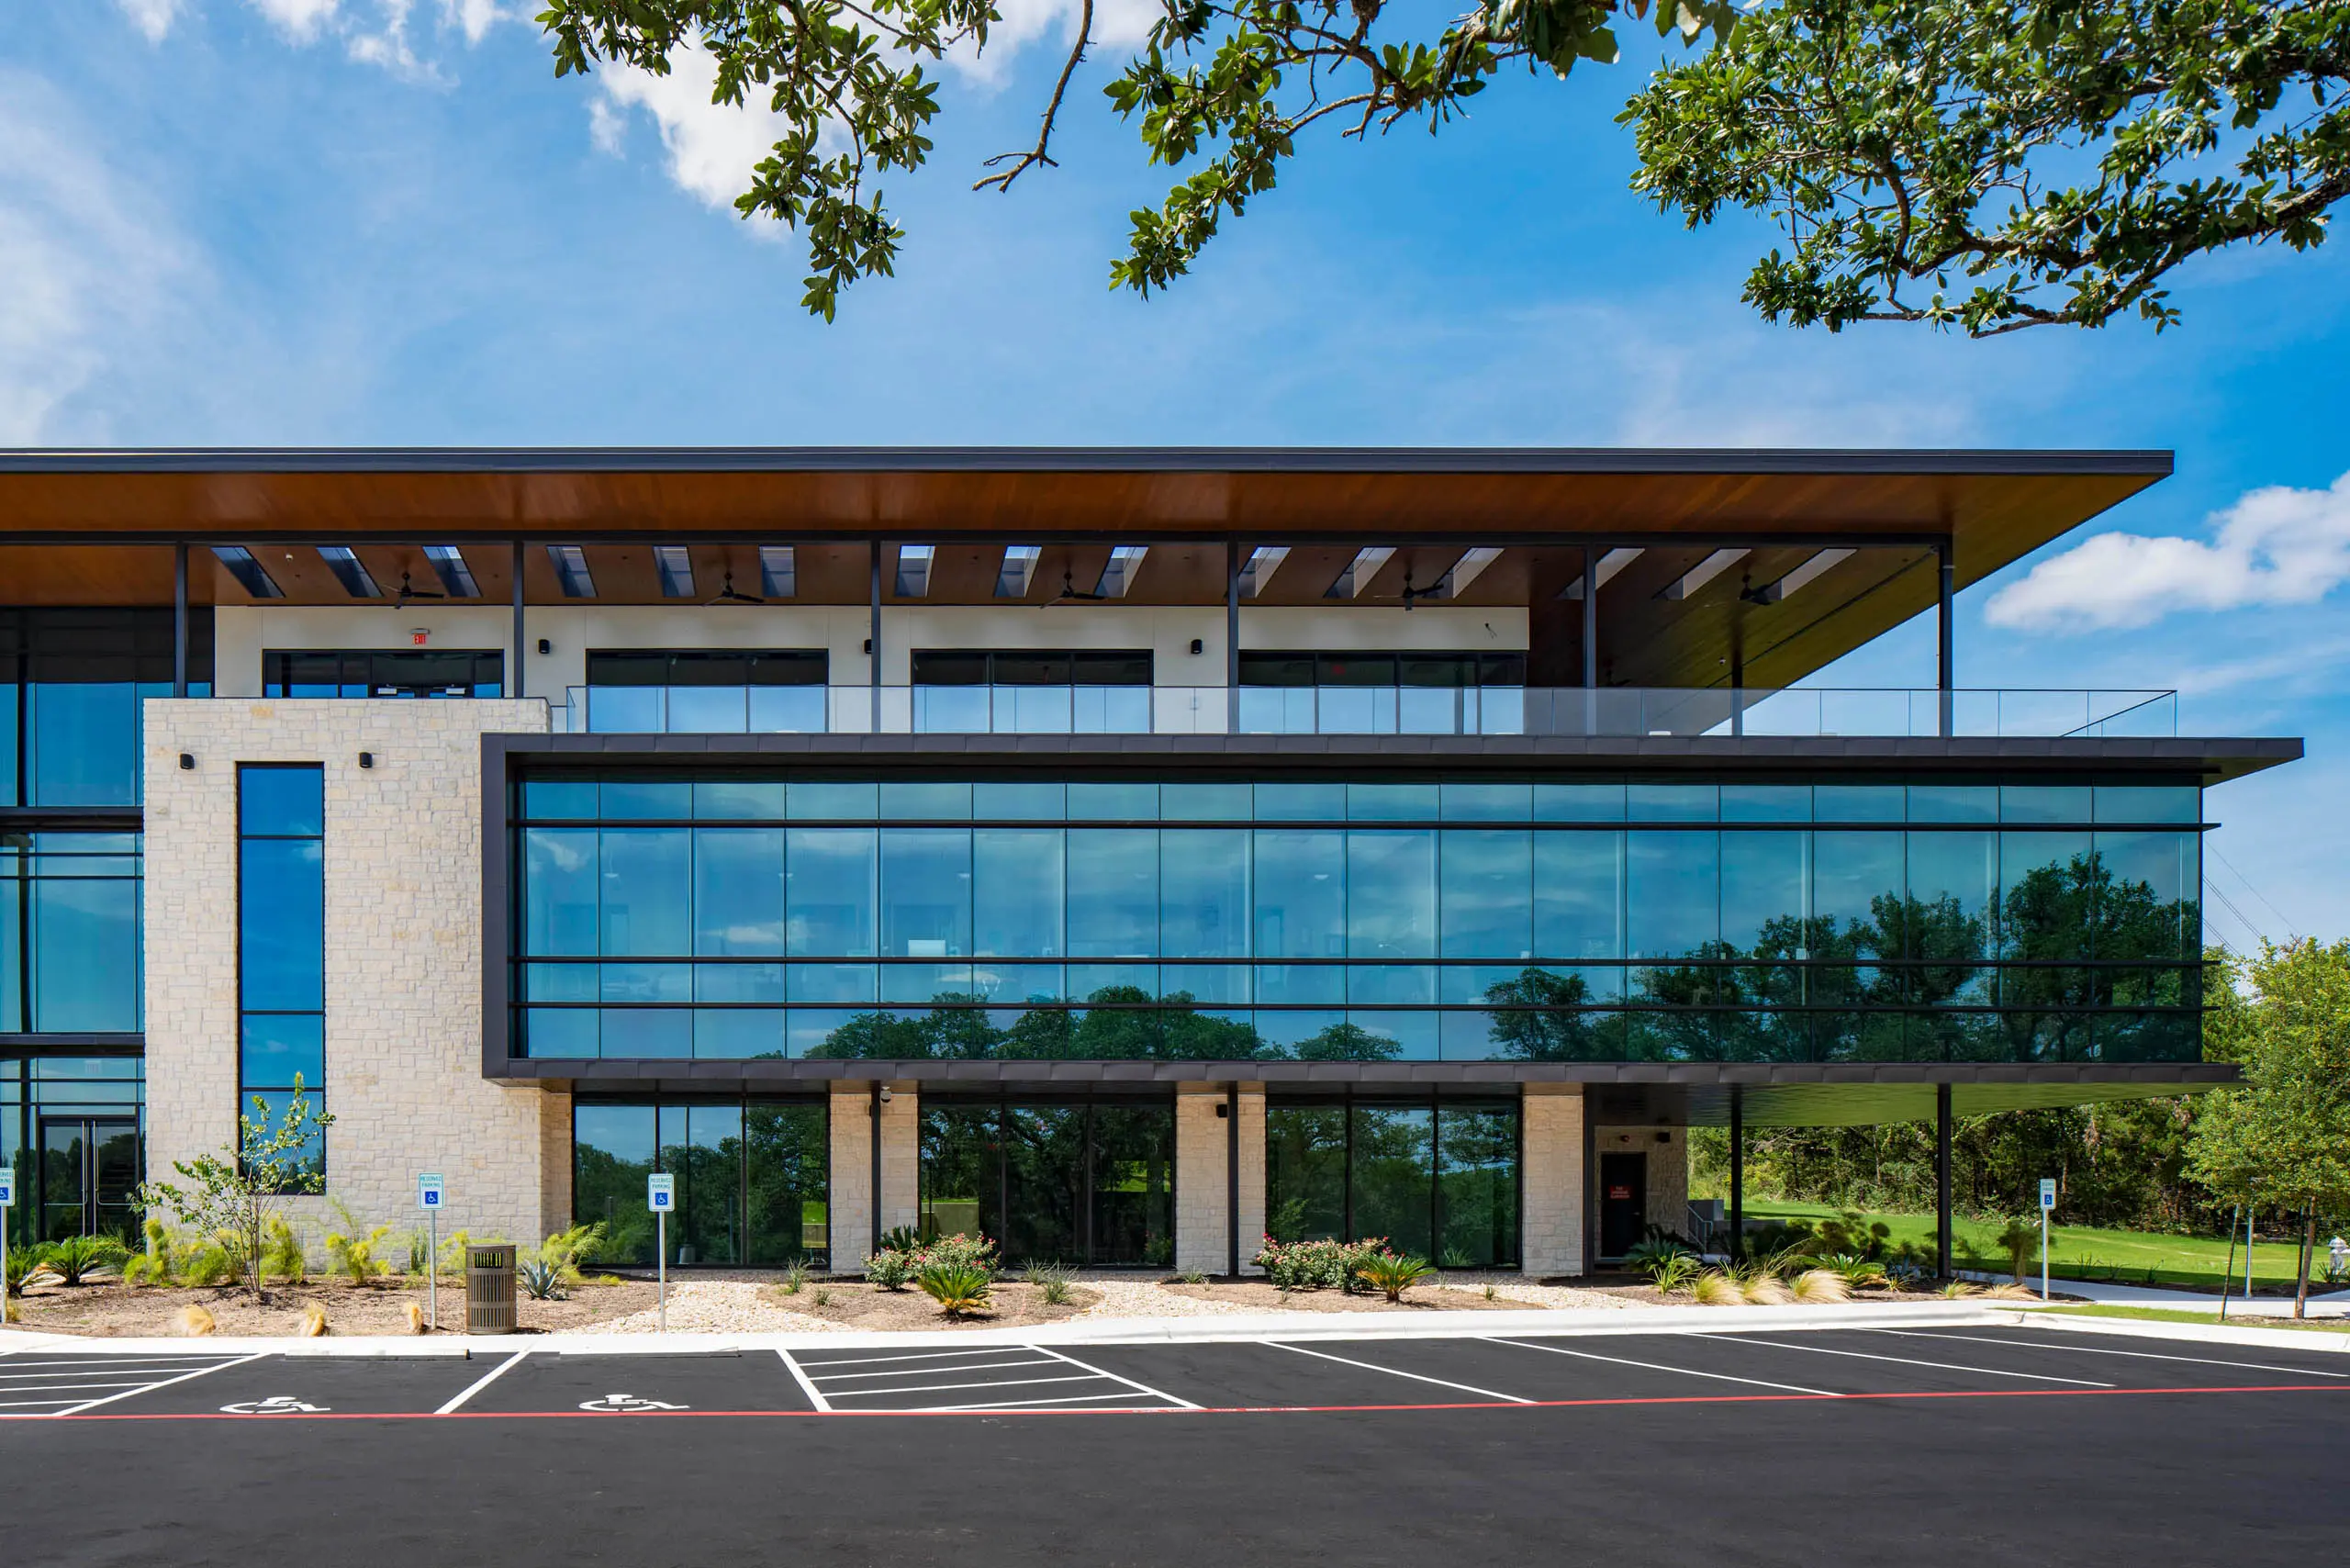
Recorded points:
(1118, 1024)
(960, 1164)
(787, 1177)
(608, 1189)
(1348, 1042)
(708, 1200)
(1541, 1017)
(1477, 1158)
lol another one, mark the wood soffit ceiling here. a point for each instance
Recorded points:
(94, 527)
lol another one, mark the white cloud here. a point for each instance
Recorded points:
(2275, 546)
(91, 274)
(475, 17)
(301, 19)
(154, 17)
(712, 147)
(1117, 24)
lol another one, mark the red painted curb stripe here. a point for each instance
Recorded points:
(1205, 1410)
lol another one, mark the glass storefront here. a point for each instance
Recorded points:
(740, 916)
(1436, 1177)
(71, 1128)
(70, 950)
(752, 1177)
(1077, 1182)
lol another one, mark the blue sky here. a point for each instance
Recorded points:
(384, 221)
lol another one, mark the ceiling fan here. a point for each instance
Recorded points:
(1434, 590)
(726, 594)
(408, 591)
(1071, 593)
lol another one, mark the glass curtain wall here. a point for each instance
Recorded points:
(753, 1176)
(1065, 1181)
(383, 672)
(70, 950)
(664, 916)
(280, 941)
(1435, 1178)
(1032, 691)
(70, 682)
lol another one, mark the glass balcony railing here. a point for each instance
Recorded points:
(1613, 712)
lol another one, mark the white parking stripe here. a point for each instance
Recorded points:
(76, 1386)
(801, 1378)
(1660, 1366)
(1137, 1387)
(28, 1403)
(2102, 1350)
(149, 1388)
(918, 1356)
(931, 1372)
(500, 1370)
(101, 1363)
(1033, 1403)
(944, 1387)
(1391, 1371)
(1905, 1361)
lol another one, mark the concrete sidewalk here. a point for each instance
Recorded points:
(2333, 1304)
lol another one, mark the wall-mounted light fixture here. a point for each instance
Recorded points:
(868, 645)
(886, 1096)
(367, 759)
(1198, 645)
(187, 763)
(545, 646)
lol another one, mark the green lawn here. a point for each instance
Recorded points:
(2125, 1257)
(2179, 1315)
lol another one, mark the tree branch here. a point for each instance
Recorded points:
(1024, 162)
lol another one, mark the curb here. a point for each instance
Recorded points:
(1208, 1329)
(2198, 1333)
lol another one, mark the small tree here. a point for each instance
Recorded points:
(2286, 1133)
(240, 1189)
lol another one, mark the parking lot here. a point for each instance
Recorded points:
(1943, 1443)
(1265, 1376)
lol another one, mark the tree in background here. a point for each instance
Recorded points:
(1981, 164)
(2285, 1134)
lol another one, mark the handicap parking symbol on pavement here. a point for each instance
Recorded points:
(629, 1402)
(275, 1405)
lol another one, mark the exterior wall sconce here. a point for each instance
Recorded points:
(545, 646)
(367, 759)
(187, 763)
(1199, 645)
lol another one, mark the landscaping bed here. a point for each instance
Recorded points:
(108, 1309)
(1257, 1295)
(1011, 1303)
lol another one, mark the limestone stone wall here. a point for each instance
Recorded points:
(1203, 1181)
(850, 1201)
(403, 956)
(901, 1157)
(1552, 1230)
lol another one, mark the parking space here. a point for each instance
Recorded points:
(41, 1384)
(1520, 1371)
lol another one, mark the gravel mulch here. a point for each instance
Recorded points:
(107, 1309)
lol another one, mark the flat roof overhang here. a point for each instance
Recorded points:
(88, 528)
(1615, 1093)
(2214, 761)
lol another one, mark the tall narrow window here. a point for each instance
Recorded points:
(281, 939)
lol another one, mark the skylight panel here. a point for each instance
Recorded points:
(570, 563)
(1118, 576)
(1360, 571)
(449, 565)
(913, 570)
(675, 565)
(350, 571)
(778, 571)
(1019, 570)
(250, 576)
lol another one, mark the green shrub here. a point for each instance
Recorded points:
(153, 1267)
(901, 1238)
(352, 1247)
(1858, 1272)
(961, 1252)
(282, 1254)
(1674, 1271)
(565, 1252)
(1393, 1274)
(78, 1256)
(958, 1288)
(1659, 1252)
(890, 1269)
(795, 1277)
(24, 1262)
(2021, 1242)
(212, 1261)
(1324, 1264)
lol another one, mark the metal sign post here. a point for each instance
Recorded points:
(661, 1196)
(428, 1195)
(7, 1201)
(2047, 1202)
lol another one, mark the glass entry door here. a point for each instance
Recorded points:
(89, 1172)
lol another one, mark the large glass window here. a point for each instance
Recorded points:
(383, 672)
(734, 915)
(70, 952)
(1073, 1183)
(1436, 1178)
(71, 685)
(281, 940)
(752, 1177)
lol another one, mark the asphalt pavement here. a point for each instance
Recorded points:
(1920, 1445)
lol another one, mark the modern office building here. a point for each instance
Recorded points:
(1121, 853)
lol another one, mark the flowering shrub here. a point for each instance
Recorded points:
(893, 1266)
(1318, 1265)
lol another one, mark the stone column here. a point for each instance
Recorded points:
(1202, 1189)
(1552, 1230)
(901, 1157)
(1252, 1174)
(849, 1208)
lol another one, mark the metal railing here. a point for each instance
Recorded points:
(1618, 711)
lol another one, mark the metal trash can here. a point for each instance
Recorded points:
(489, 1290)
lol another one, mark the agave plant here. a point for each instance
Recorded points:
(901, 1238)
(958, 1288)
(1674, 1271)
(1656, 1253)
(77, 1256)
(1860, 1274)
(1393, 1274)
(541, 1278)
